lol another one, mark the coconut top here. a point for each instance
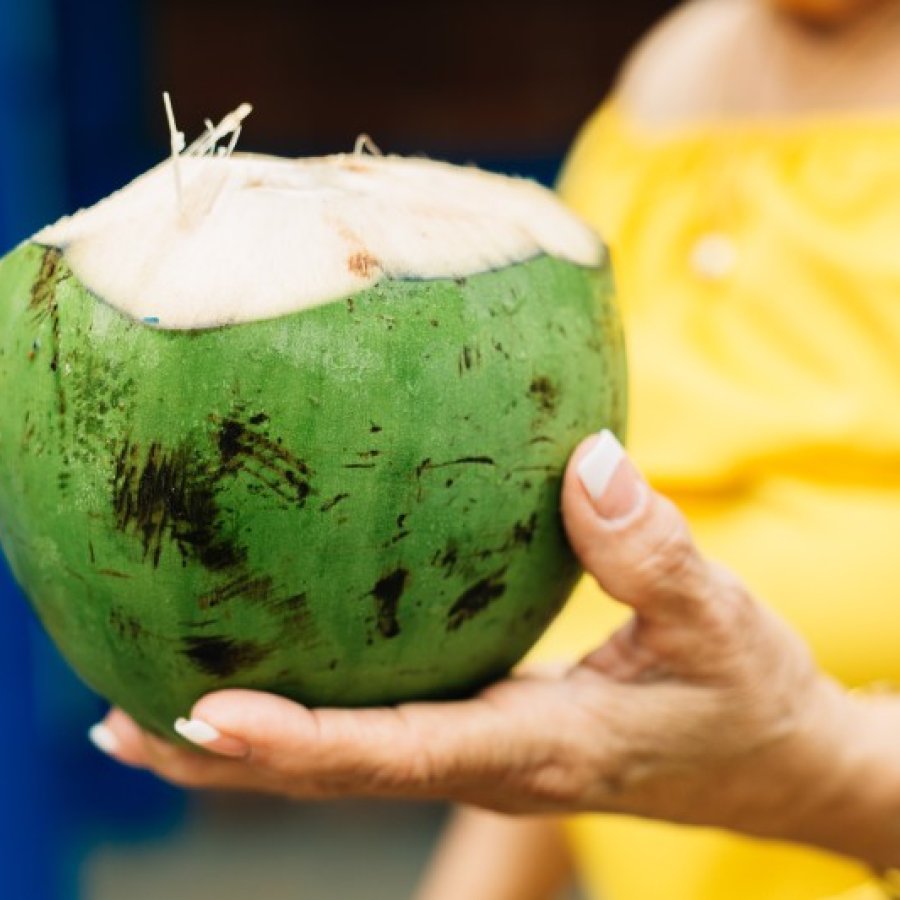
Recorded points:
(230, 239)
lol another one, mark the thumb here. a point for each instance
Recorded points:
(632, 540)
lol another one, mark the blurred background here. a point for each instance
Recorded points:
(503, 83)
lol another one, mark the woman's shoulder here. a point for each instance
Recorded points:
(690, 65)
(730, 59)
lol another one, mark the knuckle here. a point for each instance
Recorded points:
(563, 775)
(555, 786)
(731, 613)
(669, 561)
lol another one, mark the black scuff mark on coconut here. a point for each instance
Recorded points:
(476, 599)
(254, 454)
(427, 464)
(387, 593)
(401, 534)
(295, 616)
(375, 428)
(258, 419)
(230, 434)
(245, 587)
(44, 308)
(542, 439)
(358, 466)
(91, 554)
(74, 573)
(469, 358)
(446, 558)
(99, 392)
(523, 532)
(166, 494)
(113, 573)
(200, 623)
(28, 432)
(333, 502)
(368, 454)
(221, 656)
(544, 393)
(43, 291)
(127, 627)
(468, 461)
(520, 536)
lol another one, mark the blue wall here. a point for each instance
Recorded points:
(69, 134)
(31, 193)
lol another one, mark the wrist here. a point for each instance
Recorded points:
(845, 762)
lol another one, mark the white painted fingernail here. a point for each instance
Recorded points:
(197, 731)
(104, 739)
(614, 485)
(598, 467)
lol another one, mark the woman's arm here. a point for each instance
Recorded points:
(485, 856)
(704, 709)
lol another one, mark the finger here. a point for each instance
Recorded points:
(632, 540)
(192, 768)
(120, 737)
(414, 750)
(624, 656)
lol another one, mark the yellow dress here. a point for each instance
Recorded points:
(759, 275)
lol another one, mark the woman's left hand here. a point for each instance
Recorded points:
(705, 708)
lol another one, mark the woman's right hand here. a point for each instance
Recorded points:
(705, 708)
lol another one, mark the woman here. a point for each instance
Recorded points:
(756, 260)
(747, 174)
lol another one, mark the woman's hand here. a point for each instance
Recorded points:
(705, 708)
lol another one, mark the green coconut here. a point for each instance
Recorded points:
(300, 426)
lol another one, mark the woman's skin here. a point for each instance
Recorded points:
(482, 858)
(709, 61)
(704, 709)
(592, 739)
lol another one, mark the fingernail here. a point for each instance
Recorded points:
(104, 739)
(197, 731)
(210, 738)
(610, 479)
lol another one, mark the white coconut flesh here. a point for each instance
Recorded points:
(249, 237)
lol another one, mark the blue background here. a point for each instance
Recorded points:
(60, 101)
